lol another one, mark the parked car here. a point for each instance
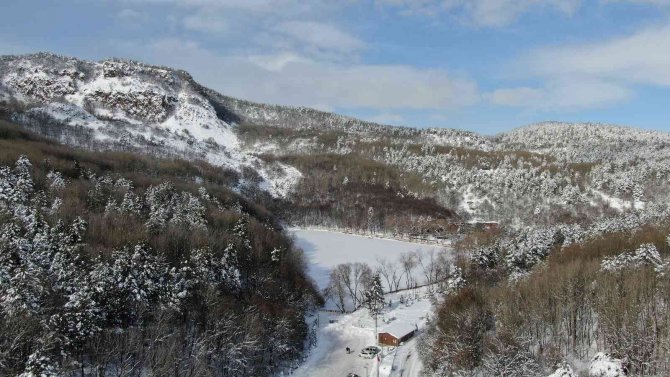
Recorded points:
(369, 352)
(353, 375)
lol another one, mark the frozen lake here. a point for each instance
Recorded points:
(326, 249)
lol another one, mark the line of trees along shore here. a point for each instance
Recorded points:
(349, 282)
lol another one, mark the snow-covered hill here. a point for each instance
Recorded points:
(533, 173)
(127, 105)
(586, 142)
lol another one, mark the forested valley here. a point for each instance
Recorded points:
(144, 218)
(117, 264)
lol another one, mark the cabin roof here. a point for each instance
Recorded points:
(398, 328)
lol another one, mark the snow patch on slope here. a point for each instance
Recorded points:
(564, 370)
(72, 115)
(603, 365)
(279, 179)
(618, 203)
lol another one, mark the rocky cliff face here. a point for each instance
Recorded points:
(117, 104)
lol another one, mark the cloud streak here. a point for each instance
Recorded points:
(295, 80)
(590, 75)
(299, 53)
(641, 58)
(296, 53)
(480, 13)
(571, 94)
(321, 36)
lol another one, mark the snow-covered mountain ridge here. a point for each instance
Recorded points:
(533, 172)
(117, 104)
(126, 90)
(586, 142)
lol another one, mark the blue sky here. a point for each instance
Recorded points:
(482, 65)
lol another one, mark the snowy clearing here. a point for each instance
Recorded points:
(326, 249)
(356, 330)
(618, 203)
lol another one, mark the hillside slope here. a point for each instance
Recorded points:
(121, 264)
(125, 105)
(318, 168)
(574, 216)
(129, 106)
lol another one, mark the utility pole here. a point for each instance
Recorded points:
(376, 333)
(377, 340)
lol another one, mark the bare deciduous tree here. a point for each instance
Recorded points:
(429, 265)
(408, 263)
(390, 272)
(348, 280)
(336, 289)
(361, 274)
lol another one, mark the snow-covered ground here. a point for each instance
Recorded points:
(404, 361)
(326, 249)
(356, 331)
(618, 203)
(471, 202)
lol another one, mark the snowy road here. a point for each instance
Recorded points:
(406, 362)
(329, 359)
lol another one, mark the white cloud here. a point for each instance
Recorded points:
(292, 80)
(496, 13)
(296, 53)
(270, 9)
(640, 58)
(590, 75)
(583, 92)
(269, 26)
(204, 22)
(387, 118)
(321, 36)
(642, 2)
(413, 7)
(129, 15)
(276, 62)
(484, 13)
(568, 94)
(521, 96)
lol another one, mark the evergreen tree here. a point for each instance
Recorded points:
(373, 297)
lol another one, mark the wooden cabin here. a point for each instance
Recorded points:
(395, 333)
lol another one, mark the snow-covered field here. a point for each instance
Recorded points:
(356, 330)
(326, 249)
